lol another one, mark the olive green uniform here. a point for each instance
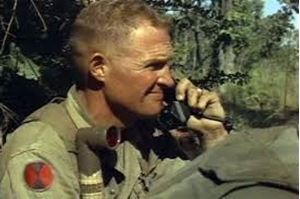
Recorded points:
(260, 164)
(48, 136)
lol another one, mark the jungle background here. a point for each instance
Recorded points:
(228, 45)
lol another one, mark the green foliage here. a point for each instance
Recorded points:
(271, 94)
(220, 41)
(20, 64)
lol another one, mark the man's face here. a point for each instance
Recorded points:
(137, 78)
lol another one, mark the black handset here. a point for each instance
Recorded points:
(176, 113)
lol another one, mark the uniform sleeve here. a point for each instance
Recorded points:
(261, 192)
(38, 169)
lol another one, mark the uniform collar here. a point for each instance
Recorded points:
(76, 109)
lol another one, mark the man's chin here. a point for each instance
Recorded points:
(149, 110)
(153, 113)
(149, 115)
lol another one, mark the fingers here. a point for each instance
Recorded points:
(185, 90)
(193, 95)
(200, 99)
(203, 125)
(216, 109)
(182, 88)
(206, 99)
(208, 102)
(212, 131)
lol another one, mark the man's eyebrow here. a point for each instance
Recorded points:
(158, 60)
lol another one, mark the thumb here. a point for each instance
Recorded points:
(211, 131)
(205, 126)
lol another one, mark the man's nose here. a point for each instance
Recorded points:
(166, 78)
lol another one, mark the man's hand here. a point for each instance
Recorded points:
(209, 104)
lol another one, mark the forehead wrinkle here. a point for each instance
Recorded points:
(160, 51)
(149, 39)
(151, 53)
(147, 44)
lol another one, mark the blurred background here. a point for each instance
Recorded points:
(245, 49)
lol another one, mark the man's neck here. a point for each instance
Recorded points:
(99, 110)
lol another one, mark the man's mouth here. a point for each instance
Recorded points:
(157, 94)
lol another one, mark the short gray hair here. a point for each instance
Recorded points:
(103, 26)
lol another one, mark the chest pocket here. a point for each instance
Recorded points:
(123, 171)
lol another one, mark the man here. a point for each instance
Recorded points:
(122, 51)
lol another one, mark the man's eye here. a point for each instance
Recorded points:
(156, 66)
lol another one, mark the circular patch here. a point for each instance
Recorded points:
(39, 175)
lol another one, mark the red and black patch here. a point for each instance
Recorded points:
(39, 175)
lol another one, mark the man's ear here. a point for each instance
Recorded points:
(98, 66)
